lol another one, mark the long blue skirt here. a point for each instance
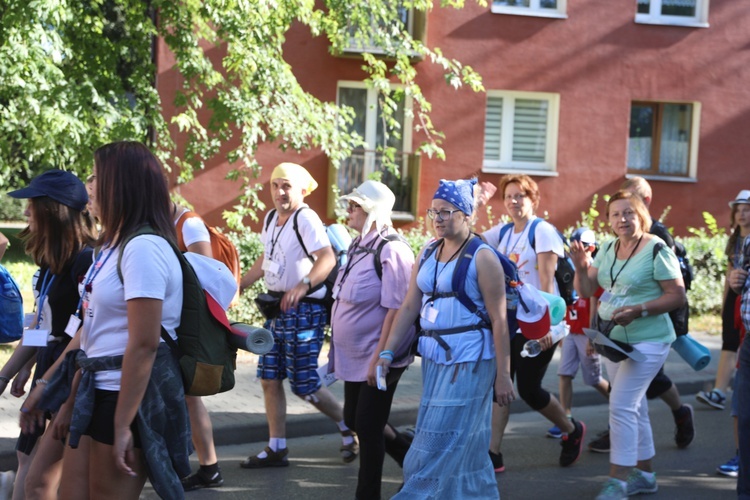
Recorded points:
(448, 458)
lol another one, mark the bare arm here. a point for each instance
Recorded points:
(491, 284)
(202, 248)
(325, 260)
(547, 262)
(585, 282)
(254, 274)
(144, 327)
(405, 316)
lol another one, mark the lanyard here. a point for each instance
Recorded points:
(510, 234)
(437, 264)
(43, 291)
(612, 267)
(93, 271)
(274, 241)
(353, 252)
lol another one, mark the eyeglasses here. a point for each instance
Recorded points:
(351, 207)
(627, 214)
(440, 214)
(515, 197)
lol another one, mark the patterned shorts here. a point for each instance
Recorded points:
(298, 337)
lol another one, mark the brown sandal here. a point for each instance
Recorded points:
(349, 452)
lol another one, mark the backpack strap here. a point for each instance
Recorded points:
(269, 218)
(458, 280)
(532, 232)
(377, 251)
(295, 226)
(503, 231)
(143, 230)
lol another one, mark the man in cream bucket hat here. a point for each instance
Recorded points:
(295, 275)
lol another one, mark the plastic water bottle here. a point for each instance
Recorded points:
(532, 348)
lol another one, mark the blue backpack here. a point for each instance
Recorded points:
(11, 308)
(565, 272)
(458, 286)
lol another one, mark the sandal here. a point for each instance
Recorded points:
(349, 452)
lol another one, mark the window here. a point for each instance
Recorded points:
(539, 8)
(369, 125)
(520, 131)
(411, 20)
(693, 13)
(663, 139)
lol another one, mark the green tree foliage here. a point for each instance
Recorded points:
(75, 74)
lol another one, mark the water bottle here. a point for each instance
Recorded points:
(532, 348)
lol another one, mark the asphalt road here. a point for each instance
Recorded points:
(316, 472)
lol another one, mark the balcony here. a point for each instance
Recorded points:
(357, 168)
(412, 20)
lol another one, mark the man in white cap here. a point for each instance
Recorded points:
(297, 259)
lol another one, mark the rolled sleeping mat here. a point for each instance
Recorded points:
(557, 307)
(251, 338)
(693, 352)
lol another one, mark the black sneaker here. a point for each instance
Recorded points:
(202, 480)
(601, 443)
(497, 462)
(684, 427)
(572, 444)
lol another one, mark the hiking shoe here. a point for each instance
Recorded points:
(554, 432)
(601, 443)
(714, 398)
(684, 427)
(638, 484)
(731, 468)
(613, 490)
(273, 459)
(202, 479)
(497, 462)
(572, 444)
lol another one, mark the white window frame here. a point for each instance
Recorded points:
(371, 48)
(505, 164)
(372, 114)
(700, 20)
(692, 167)
(534, 9)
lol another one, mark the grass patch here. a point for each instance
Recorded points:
(709, 323)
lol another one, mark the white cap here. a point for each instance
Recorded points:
(377, 200)
(742, 198)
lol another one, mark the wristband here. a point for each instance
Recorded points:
(386, 355)
(4, 379)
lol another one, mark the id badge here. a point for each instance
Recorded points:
(429, 313)
(606, 297)
(335, 292)
(73, 324)
(270, 266)
(35, 337)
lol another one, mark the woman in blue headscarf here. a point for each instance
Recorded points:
(461, 354)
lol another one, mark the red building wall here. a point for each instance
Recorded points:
(598, 60)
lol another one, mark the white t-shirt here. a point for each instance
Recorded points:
(517, 248)
(285, 261)
(151, 270)
(194, 230)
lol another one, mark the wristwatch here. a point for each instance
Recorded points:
(307, 281)
(644, 311)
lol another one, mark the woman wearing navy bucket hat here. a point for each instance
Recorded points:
(59, 239)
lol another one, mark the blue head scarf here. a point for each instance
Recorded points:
(460, 193)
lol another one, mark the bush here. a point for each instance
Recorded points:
(706, 252)
(250, 248)
(12, 209)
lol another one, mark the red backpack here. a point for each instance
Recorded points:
(223, 250)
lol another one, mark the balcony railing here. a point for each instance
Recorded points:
(357, 168)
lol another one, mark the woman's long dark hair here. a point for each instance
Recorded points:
(60, 232)
(131, 192)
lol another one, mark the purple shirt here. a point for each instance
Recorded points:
(363, 300)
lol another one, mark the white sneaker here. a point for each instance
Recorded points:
(7, 479)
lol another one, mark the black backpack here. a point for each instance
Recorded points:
(207, 360)
(565, 272)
